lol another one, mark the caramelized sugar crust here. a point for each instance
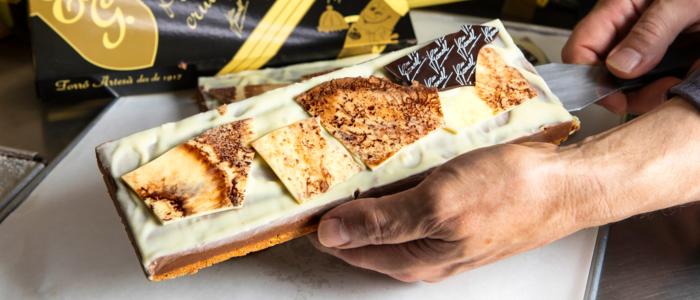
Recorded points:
(208, 172)
(502, 87)
(373, 117)
(306, 162)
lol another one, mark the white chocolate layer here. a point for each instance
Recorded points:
(267, 202)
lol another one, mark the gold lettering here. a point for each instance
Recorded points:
(61, 84)
(194, 16)
(65, 85)
(166, 6)
(58, 11)
(198, 16)
(191, 22)
(236, 18)
(142, 79)
(123, 81)
(105, 82)
(155, 77)
(117, 17)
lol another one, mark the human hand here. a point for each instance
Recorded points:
(476, 209)
(631, 37)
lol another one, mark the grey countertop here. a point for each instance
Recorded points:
(654, 256)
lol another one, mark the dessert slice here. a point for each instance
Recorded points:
(374, 117)
(206, 174)
(307, 163)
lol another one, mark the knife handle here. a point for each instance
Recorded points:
(679, 57)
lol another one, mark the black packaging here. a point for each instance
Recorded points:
(88, 49)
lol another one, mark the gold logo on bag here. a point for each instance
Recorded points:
(112, 34)
(373, 29)
(268, 36)
(236, 18)
(331, 20)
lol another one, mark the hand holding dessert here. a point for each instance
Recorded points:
(648, 28)
(481, 207)
(496, 202)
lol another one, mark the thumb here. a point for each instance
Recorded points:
(649, 38)
(391, 219)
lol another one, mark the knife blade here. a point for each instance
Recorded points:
(578, 86)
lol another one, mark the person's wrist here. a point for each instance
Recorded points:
(564, 192)
(550, 183)
(592, 182)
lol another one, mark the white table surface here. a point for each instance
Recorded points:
(66, 240)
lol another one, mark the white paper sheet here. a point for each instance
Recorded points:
(67, 242)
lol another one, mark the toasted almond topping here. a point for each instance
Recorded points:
(374, 118)
(307, 163)
(205, 174)
(502, 87)
(222, 109)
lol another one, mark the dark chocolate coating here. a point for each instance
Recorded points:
(448, 62)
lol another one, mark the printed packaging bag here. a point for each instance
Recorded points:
(108, 48)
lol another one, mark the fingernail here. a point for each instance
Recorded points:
(332, 233)
(624, 60)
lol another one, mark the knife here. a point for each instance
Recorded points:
(578, 86)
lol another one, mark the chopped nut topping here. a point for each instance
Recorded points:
(374, 118)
